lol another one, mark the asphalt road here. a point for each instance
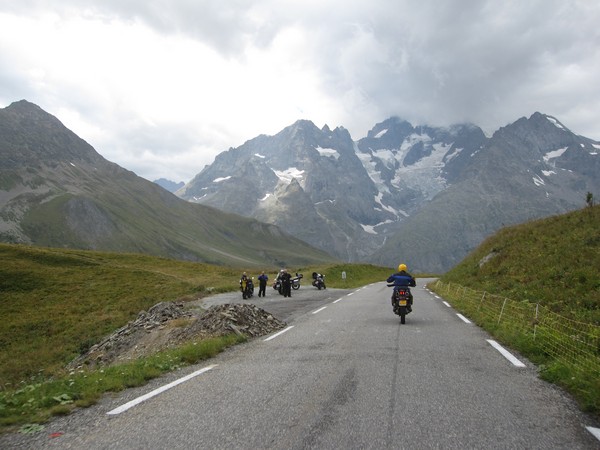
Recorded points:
(346, 375)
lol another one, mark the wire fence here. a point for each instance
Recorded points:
(573, 343)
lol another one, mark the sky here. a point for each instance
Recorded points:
(161, 87)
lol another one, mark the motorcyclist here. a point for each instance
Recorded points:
(286, 283)
(243, 282)
(402, 279)
(316, 276)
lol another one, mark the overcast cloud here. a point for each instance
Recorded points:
(161, 87)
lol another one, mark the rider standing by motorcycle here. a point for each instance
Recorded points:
(403, 279)
(262, 284)
(243, 283)
(286, 283)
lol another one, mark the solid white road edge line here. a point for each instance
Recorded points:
(506, 353)
(594, 431)
(160, 390)
(319, 310)
(463, 318)
(279, 333)
(447, 304)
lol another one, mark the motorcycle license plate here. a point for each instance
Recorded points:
(402, 302)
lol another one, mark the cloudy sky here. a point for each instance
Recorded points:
(162, 86)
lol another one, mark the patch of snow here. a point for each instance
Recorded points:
(73, 164)
(547, 173)
(289, 174)
(455, 154)
(325, 201)
(369, 229)
(265, 197)
(196, 199)
(378, 198)
(554, 154)
(596, 146)
(594, 153)
(538, 181)
(555, 122)
(328, 152)
(218, 180)
(259, 155)
(381, 133)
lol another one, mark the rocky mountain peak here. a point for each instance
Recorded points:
(31, 136)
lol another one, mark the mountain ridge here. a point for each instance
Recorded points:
(375, 198)
(56, 190)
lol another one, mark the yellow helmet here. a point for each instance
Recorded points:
(401, 267)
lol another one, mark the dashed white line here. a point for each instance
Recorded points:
(595, 432)
(463, 318)
(319, 310)
(447, 304)
(160, 390)
(337, 300)
(279, 333)
(506, 353)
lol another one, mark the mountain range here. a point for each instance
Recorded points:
(422, 195)
(57, 191)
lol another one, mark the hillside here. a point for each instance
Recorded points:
(552, 261)
(57, 191)
(56, 303)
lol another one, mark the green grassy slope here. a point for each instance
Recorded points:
(55, 303)
(554, 262)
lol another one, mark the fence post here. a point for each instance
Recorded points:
(502, 310)
(535, 322)
(481, 302)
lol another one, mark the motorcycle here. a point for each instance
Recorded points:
(296, 281)
(318, 281)
(401, 301)
(278, 286)
(247, 287)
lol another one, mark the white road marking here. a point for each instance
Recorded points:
(351, 293)
(160, 390)
(594, 431)
(506, 353)
(437, 296)
(279, 333)
(337, 300)
(463, 318)
(447, 304)
(319, 310)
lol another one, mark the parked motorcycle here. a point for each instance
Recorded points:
(278, 286)
(296, 281)
(247, 288)
(318, 280)
(401, 301)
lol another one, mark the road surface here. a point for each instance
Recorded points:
(344, 375)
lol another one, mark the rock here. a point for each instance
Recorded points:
(154, 330)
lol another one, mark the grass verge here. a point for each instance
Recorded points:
(517, 332)
(35, 403)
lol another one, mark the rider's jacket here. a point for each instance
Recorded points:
(402, 279)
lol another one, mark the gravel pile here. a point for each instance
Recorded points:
(169, 324)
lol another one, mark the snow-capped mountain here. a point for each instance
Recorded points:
(419, 194)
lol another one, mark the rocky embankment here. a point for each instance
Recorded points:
(167, 325)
